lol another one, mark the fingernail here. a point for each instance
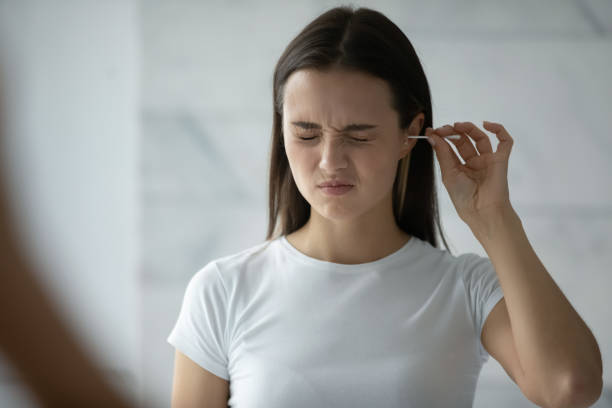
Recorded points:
(431, 141)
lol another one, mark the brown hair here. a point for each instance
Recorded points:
(367, 41)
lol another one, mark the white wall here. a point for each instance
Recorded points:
(72, 71)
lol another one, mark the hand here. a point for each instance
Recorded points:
(478, 188)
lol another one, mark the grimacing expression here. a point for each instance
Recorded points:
(340, 124)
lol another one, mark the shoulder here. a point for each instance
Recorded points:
(229, 268)
(474, 266)
(221, 273)
(471, 268)
(439, 258)
(244, 257)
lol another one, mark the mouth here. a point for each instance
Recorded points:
(335, 183)
(336, 190)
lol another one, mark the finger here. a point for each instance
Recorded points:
(464, 145)
(449, 162)
(505, 140)
(481, 138)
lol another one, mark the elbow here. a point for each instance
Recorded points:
(577, 391)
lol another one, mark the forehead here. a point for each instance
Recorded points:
(335, 95)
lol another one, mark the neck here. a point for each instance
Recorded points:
(348, 243)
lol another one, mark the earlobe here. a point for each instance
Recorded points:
(407, 147)
(409, 142)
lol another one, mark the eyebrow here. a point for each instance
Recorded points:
(351, 127)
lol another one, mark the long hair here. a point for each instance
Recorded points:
(366, 41)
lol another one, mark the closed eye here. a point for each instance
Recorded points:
(354, 138)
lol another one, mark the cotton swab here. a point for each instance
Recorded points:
(425, 137)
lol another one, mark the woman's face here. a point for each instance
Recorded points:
(319, 106)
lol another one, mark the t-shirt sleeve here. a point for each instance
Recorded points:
(483, 292)
(200, 330)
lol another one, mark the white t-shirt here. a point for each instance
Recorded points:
(288, 330)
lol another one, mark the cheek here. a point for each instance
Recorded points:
(302, 165)
(377, 172)
(296, 155)
(372, 164)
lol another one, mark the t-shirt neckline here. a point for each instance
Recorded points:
(296, 254)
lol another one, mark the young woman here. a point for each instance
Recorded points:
(349, 302)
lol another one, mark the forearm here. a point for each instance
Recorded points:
(552, 341)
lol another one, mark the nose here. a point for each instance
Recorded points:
(333, 155)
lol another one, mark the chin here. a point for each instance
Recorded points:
(337, 212)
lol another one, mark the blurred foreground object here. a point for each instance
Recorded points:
(33, 335)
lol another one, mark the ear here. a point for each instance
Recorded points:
(417, 124)
(407, 144)
(412, 130)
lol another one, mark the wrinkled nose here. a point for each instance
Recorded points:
(333, 155)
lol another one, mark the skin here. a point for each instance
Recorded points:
(359, 226)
